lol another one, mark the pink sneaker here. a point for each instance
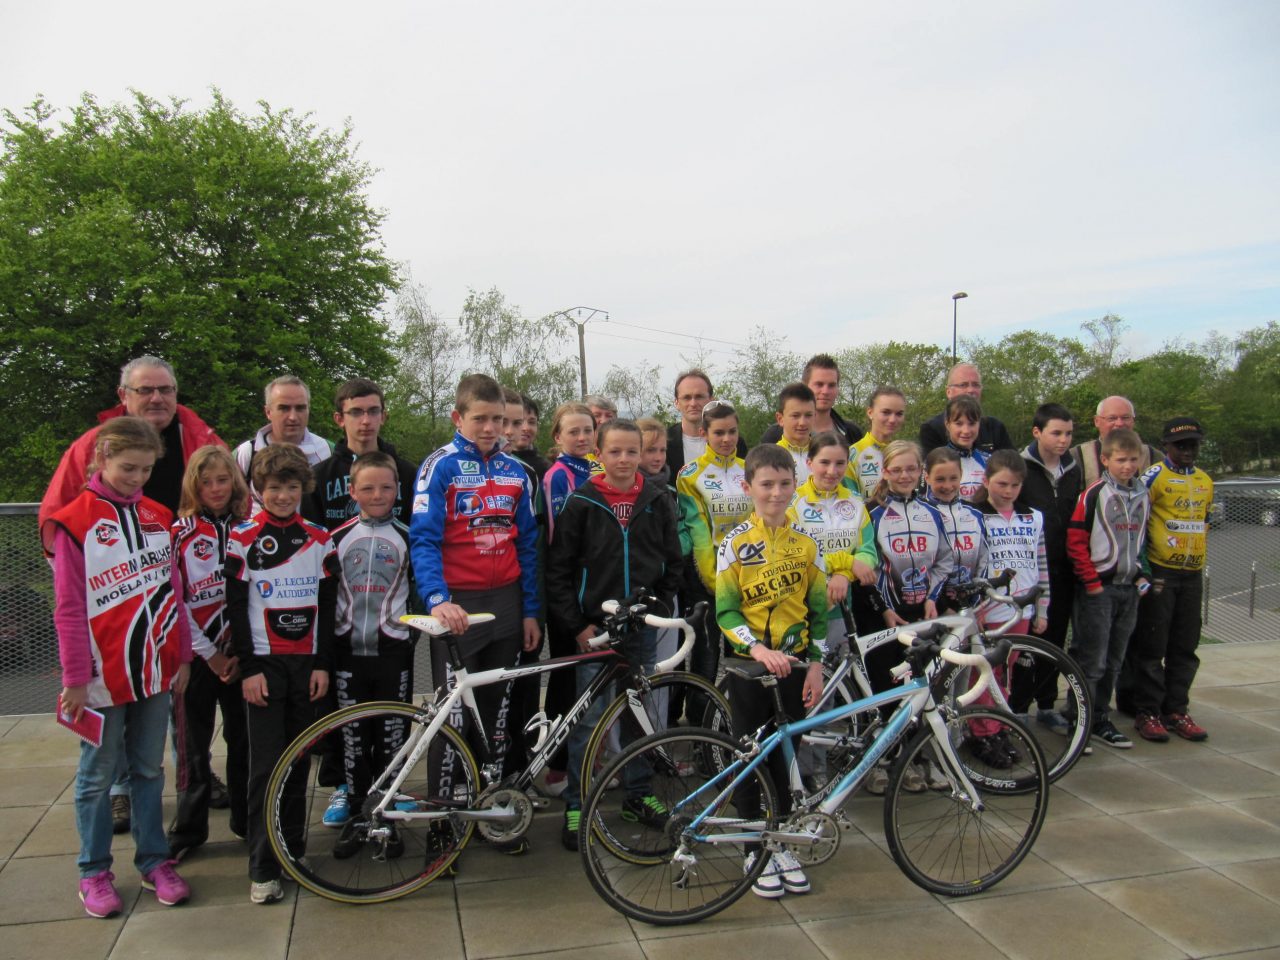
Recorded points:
(170, 888)
(98, 894)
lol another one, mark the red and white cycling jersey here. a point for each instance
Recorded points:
(132, 611)
(200, 543)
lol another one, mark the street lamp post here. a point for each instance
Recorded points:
(955, 309)
(581, 324)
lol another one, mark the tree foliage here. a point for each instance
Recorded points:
(524, 354)
(236, 246)
(428, 352)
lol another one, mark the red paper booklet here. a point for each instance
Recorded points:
(89, 727)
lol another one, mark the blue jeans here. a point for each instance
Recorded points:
(136, 732)
(642, 650)
(1100, 629)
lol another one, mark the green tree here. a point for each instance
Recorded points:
(919, 370)
(1250, 422)
(635, 389)
(526, 355)
(756, 377)
(428, 354)
(236, 246)
(1024, 370)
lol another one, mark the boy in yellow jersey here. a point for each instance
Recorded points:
(771, 604)
(886, 411)
(796, 408)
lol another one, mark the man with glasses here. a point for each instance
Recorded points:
(148, 389)
(360, 409)
(964, 378)
(685, 442)
(1113, 412)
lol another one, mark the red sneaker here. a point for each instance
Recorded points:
(1185, 727)
(1150, 728)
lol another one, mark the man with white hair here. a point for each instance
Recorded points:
(1113, 413)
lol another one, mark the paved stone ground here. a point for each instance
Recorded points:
(1163, 851)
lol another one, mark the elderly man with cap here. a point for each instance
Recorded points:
(1161, 661)
(1113, 412)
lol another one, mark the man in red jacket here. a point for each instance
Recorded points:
(148, 389)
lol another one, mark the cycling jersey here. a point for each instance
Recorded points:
(1016, 543)
(561, 479)
(712, 502)
(1180, 501)
(473, 526)
(771, 588)
(1108, 532)
(973, 469)
(315, 448)
(866, 462)
(330, 504)
(281, 581)
(373, 590)
(915, 556)
(126, 581)
(200, 548)
(840, 523)
(800, 455)
(963, 524)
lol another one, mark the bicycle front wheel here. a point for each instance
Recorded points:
(638, 713)
(949, 842)
(361, 857)
(654, 866)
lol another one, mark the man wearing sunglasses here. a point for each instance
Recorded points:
(1161, 661)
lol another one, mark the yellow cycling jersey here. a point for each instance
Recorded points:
(1179, 514)
(840, 523)
(800, 455)
(712, 502)
(866, 461)
(771, 588)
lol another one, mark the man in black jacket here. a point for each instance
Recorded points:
(360, 410)
(992, 435)
(822, 376)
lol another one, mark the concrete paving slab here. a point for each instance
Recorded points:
(1220, 777)
(788, 941)
(1126, 788)
(860, 880)
(1260, 876)
(243, 931)
(1242, 699)
(83, 939)
(1266, 809)
(47, 888)
(56, 834)
(933, 934)
(1106, 849)
(15, 824)
(411, 927)
(29, 786)
(1068, 924)
(1211, 834)
(1200, 911)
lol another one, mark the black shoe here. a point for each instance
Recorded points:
(569, 832)
(1106, 731)
(1002, 740)
(354, 834)
(181, 846)
(219, 798)
(648, 810)
(989, 751)
(120, 809)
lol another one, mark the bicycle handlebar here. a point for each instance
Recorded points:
(612, 607)
(433, 627)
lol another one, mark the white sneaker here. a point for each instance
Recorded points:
(268, 892)
(877, 781)
(768, 884)
(793, 878)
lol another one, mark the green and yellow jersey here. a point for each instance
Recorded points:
(712, 502)
(800, 455)
(840, 523)
(866, 462)
(771, 588)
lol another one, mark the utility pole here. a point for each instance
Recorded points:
(955, 307)
(581, 324)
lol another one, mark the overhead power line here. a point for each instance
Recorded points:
(673, 333)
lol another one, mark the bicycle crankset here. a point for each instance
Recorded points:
(826, 838)
(514, 805)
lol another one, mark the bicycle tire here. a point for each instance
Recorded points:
(1074, 701)
(938, 839)
(617, 725)
(347, 870)
(632, 865)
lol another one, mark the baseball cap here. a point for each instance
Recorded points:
(1182, 428)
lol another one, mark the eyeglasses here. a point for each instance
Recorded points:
(968, 385)
(903, 471)
(165, 391)
(359, 413)
(1119, 418)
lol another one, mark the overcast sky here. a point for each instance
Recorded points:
(831, 171)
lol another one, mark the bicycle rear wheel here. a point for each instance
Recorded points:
(1034, 657)
(368, 859)
(659, 870)
(620, 724)
(949, 843)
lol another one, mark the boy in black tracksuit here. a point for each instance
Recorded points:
(617, 532)
(1052, 486)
